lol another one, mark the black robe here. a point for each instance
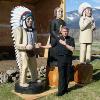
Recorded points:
(54, 36)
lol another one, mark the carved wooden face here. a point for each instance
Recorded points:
(59, 13)
(88, 12)
(29, 21)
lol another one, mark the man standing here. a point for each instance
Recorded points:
(87, 26)
(64, 50)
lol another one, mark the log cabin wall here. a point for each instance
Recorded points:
(6, 43)
(44, 14)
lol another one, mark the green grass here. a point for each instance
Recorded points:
(88, 92)
(76, 53)
(95, 46)
(6, 92)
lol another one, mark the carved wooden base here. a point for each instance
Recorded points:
(83, 73)
(35, 96)
(33, 88)
(53, 76)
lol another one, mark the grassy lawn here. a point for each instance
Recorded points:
(6, 92)
(95, 46)
(88, 92)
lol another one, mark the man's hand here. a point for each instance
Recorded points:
(29, 47)
(66, 45)
(62, 42)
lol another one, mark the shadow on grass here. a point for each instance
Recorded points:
(96, 74)
(75, 57)
(95, 57)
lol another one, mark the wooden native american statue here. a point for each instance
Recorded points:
(24, 37)
(87, 26)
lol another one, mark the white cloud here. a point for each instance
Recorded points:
(70, 18)
(76, 14)
(97, 7)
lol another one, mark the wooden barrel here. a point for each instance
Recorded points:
(53, 76)
(83, 73)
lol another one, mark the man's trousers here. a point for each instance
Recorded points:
(63, 74)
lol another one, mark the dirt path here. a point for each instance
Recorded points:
(7, 64)
(11, 64)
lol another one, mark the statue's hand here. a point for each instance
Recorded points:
(21, 47)
(37, 45)
(29, 47)
(62, 42)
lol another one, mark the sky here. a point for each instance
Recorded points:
(74, 4)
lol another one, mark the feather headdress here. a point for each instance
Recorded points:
(16, 15)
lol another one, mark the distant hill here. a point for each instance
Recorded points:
(72, 18)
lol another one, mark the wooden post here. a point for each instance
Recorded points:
(63, 5)
(46, 50)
